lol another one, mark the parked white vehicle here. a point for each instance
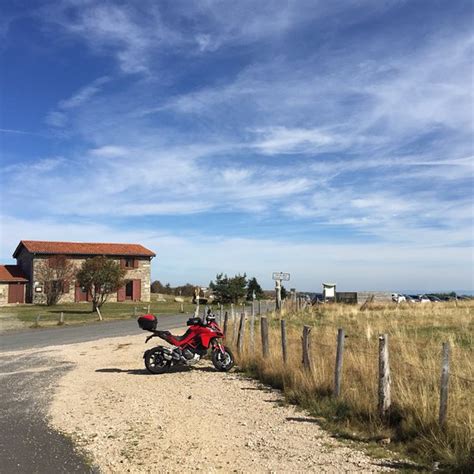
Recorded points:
(397, 298)
(423, 299)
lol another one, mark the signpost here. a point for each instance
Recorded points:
(279, 277)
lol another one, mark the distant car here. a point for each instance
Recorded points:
(410, 299)
(397, 298)
(423, 299)
(433, 298)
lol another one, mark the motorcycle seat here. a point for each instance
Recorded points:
(180, 338)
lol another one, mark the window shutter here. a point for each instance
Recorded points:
(121, 294)
(137, 290)
(135, 263)
(122, 263)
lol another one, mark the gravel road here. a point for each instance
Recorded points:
(198, 419)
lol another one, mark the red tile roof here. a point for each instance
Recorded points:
(83, 248)
(11, 273)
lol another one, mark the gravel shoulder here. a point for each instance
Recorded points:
(126, 420)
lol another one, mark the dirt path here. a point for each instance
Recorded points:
(198, 419)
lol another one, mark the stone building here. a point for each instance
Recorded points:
(135, 258)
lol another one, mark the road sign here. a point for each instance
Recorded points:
(281, 276)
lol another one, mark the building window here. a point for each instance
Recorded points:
(57, 286)
(129, 263)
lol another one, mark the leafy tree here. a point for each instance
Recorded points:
(221, 288)
(238, 287)
(229, 290)
(100, 276)
(55, 274)
(157, 287)
(254, 287)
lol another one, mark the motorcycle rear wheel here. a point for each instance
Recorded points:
(223, 362)
(155, 363)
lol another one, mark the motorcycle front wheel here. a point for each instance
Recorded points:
(155, 363)
(223, 361)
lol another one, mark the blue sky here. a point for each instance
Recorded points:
(332, 140)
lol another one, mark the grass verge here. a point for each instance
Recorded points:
(415, 337)
(75, 313)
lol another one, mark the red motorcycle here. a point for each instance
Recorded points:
(202, 335)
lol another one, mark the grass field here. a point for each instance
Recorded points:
(416, 333)
(82, 312)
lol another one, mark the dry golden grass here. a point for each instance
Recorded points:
(416, 333)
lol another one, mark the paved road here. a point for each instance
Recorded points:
(34, 338)
(27, 443)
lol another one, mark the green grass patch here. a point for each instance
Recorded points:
(82, 312)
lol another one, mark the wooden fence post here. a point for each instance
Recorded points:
(226, 322)
(339, 355)
(240, 337)
(252, 329)
(283, 341)
(384, 376)
(307, 349)
(259, 307)
(235, 326)
(221, 313)
(443, 395)
(61, 319)
(264, 334)
(135, 311)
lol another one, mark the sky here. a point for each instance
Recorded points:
(331, 140)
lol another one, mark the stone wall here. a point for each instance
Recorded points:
(143, 272)
(3, 294)
(25, 261)
(379, 296)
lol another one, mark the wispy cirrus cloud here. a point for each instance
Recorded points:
(288, 119)
(59, 117)
(353, 265)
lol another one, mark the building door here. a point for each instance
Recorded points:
(16, 293)
(80, 294)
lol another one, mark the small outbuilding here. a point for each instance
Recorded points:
(12, 284)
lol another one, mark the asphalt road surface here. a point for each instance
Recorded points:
(27, 443)
(34, 338)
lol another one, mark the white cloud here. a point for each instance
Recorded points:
(277, 140)
(59, 118)
(378, 266)
(109, 151)
(339, 138)
(56, 118)
(83, 95)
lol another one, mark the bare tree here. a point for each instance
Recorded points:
(55, 274)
